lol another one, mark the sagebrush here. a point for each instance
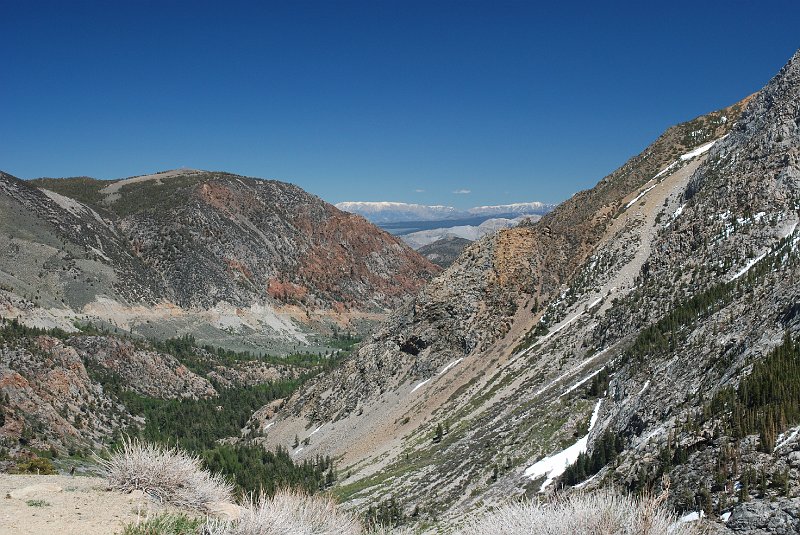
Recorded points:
(289, 512)
(165, 524)
(169, 474)
(605, 512)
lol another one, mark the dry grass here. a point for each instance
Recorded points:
(176, 477)
(289, 512)
(605, 512)
(169, 474)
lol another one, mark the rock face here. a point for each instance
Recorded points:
(156, 253)
(627, 316)
(52, 395)
(50, 400)
(781, 518)
(144, 371)
(445, 251)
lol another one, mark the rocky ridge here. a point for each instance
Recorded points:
(231, 259)
(53, 393)
(621, 316)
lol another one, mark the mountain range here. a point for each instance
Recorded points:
(644, 334)
(236, 261)
(444, 231)
(397, 212)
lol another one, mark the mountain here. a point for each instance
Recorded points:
(421, 238)
(421, 225)
(644, 334)
(520, 208)
(396, 212)
(390, 212)
(236, 261)
(444, 251)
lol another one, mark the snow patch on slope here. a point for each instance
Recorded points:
(447, 368)
(581, 382)
(701, 149)
(420, 385)
(787, 437)
(642, 194)
(556, 464)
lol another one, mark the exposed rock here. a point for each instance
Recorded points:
(213, 253)
(445, 251)
(762, 517)
(147, 372)
(51, 398)
(505, 349)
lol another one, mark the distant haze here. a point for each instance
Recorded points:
(395, 212)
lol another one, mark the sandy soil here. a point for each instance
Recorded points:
(71, 506)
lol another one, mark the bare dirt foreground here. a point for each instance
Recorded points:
(65, 505)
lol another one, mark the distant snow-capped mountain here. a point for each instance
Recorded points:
(388, 212)
(392, 212)
(520, 208)
(422, 238)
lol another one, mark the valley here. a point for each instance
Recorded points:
(641, 336)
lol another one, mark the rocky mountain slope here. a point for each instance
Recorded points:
(444, 251)
(73, 392)
(626, 330)
(231, 259)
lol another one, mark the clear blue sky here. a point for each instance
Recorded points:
(373, 100)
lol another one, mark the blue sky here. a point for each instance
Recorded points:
(510, 101)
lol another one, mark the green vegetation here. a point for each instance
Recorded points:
(767, 401)
(84, 189)
(195, 425)
(254, 469)
(668, 333)
(165, 524)
(156, 198)
(599, 383)
(387, 514)
(203, 359)
(198, 425)
(12, 330)
(605, 451)
(36, 465)
(37, 503)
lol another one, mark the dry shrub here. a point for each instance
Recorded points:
(605, 512)
(289, 512)
(169, 474)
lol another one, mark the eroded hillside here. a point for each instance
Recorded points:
(624, 322)
(235, 261)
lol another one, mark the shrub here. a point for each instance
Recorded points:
(605, 511)
(37, 465)
(288, 511)
(171, 475)
(164, 524)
